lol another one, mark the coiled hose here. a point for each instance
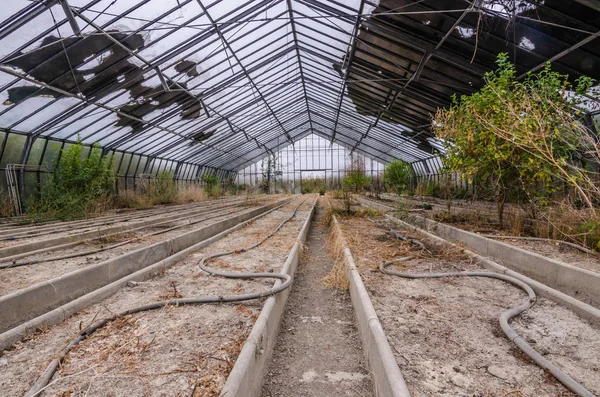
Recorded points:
(44, 379)
(12, 263)
(505, 317)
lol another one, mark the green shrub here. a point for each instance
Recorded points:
(211, 184)
(355, 180)
(431, 189)
(397, 176)
(163, 190)
(312, 185)
(522, 137)
(79, 186)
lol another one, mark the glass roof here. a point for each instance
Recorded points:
(223, 83)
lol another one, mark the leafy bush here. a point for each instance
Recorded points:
(312, 185)
(432, 189)
(397, 176)
(78, 186)
(211, 184)
(163, 190)
(355, 180)
(520, 136)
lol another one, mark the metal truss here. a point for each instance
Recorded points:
(218, 85)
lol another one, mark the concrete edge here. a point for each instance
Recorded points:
(27, 303)
(583, 310)
(579, 283)
(59, 314)
(97, 221)
(247, 376)
(387, 377)
(17, 251)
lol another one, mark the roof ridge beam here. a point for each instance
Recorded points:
(349, 60)
(291, 12)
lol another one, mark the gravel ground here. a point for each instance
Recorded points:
(318, 351)
(173, 351)
(13, 279)
(445, 332)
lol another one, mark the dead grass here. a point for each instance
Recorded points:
(6, 208)
(210, 385)
(137, 200)
(373, 244)
(342, 213)
(113, 238)
(190, 194)
(338, 275)
(172, 292)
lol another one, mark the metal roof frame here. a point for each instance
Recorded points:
(266, 73)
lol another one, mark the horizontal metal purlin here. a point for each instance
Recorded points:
(225, 43)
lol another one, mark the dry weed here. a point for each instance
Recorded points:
(172, 292)
(190, 194)
(338, 275)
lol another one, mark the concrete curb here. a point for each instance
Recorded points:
(387, 378)
(104, 220)
(247, 376)
(582, 309)
(20, 250)
(579, 283)
(61, 313)
(28, 303)
(27, 248)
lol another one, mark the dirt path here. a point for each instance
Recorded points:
(318, 350)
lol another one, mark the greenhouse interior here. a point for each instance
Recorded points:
(272, 198)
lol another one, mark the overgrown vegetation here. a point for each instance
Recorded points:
(6, 206)
(313, 185)
(82, 186)
(355, 180)
(268, 169)
(78, 187)
(163, 190)
(397, 176)
(525, 140)
(211, 184)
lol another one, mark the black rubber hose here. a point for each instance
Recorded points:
(505, 317)
(44, 379)
(107, 248)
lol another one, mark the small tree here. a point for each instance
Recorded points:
(355, 180)
(397, 176)
(518, 136)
